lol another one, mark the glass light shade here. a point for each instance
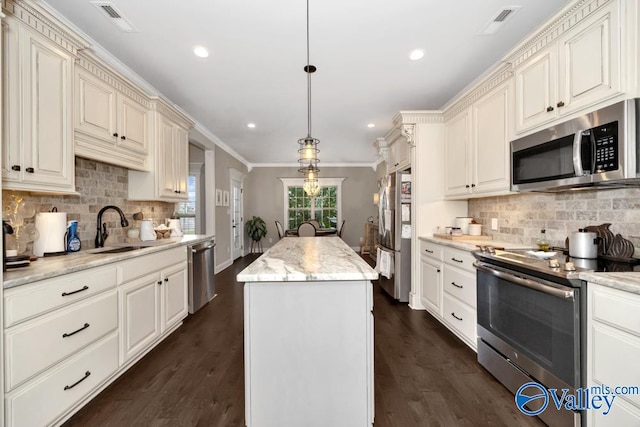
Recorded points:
(311, 185)
(308, 153)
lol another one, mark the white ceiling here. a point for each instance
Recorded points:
(258, 50)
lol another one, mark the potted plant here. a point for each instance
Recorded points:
(257, 229)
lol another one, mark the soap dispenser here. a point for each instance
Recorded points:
(73, 241)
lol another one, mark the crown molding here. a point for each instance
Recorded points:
(500, 74)
(418, 117)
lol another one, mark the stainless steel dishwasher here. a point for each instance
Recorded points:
(202, 287)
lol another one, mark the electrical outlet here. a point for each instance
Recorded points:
(494, 223)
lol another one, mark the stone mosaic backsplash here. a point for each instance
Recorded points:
(99, 184)
(521, 216)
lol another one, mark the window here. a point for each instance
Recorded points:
(187, 210)
(299, 207)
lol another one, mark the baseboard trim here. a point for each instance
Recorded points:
(222, 266)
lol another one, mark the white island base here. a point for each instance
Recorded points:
(309, 344)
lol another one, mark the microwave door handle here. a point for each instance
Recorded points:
(577, 156)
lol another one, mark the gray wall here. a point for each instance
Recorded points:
(225, 162)
(264, 197)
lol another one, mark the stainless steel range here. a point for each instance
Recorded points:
(531, 323)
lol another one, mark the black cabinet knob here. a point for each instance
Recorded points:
(115, 134)
(473, 185)
(30, 170)
(123, 137)
(467, 186)
(549, 109)
(560, 104)
(15, 168)
(166, 279)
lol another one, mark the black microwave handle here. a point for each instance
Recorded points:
(577, 154)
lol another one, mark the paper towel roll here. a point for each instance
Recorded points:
(52, 227)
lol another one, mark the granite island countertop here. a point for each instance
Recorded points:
(45, 268)
(307, 259)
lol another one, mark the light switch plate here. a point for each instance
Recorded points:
(494, 223)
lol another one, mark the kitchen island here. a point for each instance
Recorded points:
(308, 334)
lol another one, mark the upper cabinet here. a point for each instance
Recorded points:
(583, 66)
(167, 178)
(477, 145)
(111, 118)
(395, 147)
(38, 87)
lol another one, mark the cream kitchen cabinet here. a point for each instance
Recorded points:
(583, 67)
(168, 179)
(38, 132)
(613, 348)
(61, 344)
(477, 146)
(152, 301)
(111, 118)
(396, 146)
(431, 277)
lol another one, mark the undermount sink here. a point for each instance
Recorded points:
(113, 250)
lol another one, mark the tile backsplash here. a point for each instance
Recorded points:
(99, 184)
(522, 216)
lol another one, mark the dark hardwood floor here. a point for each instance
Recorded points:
(424, 376)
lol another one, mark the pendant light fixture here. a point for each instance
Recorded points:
(308, 150)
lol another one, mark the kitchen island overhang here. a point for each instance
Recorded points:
(308, 334)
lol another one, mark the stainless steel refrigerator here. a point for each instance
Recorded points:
(394, 219)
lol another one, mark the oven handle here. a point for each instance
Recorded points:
(556, 292)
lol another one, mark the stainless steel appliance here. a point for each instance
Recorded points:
(201, 274)
(394, 210)
(597, 149)
(531, 320)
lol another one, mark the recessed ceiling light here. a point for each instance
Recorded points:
(371, 125)
(200, 51)
(416, 54)
(251, 125)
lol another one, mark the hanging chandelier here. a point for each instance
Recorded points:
(308, 150)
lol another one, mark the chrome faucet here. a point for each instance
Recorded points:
(102, 234)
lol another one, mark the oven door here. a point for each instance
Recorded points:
(533, 323)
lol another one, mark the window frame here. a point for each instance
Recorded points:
(323, 182)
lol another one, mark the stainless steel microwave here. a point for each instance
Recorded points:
(599, 149)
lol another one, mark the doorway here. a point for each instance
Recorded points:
(237, 216)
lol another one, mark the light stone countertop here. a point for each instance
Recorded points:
(45, 268)
(471, 244)
(628, 281)
(307, 259)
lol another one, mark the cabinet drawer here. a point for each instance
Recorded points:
(27, 301)
(460, 317)
(615, 359)
(42, 401)
(459, 258)
(617, 308)
(36, 345)
(461, 284)
(152, 263)
(431, 250)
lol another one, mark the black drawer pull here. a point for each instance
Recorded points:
(427, 250)
(84, 288)
(457, 260)
(549, 109)
(69, 387)
(15, 168)
(560, 104)
(454, 315)
(65, 335)
(456, 285)
(30, 170)
(123, 137)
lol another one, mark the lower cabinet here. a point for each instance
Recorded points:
(448, 288)
(68, 337)
(613, 350)
(152, 304)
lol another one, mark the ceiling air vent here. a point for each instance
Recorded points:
(499, 19)
(114, 16)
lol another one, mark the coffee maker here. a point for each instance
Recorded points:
(6, 229)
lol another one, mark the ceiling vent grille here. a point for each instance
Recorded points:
(114, 16)
(499, 19)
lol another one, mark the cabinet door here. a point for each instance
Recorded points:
(47, 140)
(166, 174)
(536, 90)
(139, 315)
(181, 162)
(457, 154)
(491, 134)
(11, 105)
(431, 285)
(133, 125)
(174, 295)
(589, 62)
(95, 106)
